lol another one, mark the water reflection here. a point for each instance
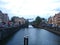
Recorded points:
(43, 37)
(17, 39)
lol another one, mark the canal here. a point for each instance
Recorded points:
(36, 37)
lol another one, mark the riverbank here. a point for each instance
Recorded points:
(6, 32)
(53, 30)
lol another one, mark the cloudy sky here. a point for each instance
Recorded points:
(30, 8)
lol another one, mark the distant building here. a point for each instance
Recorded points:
(50, 20)
(55, 19)
(22, 20)
(18, 20)
(1, 16)
(4, 17)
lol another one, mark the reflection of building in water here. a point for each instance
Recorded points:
(4, 17)
(55, 19)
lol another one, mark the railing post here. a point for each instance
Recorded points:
(25, 40)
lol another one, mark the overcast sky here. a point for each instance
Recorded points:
(30, 8)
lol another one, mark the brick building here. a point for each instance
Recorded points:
(55, 19)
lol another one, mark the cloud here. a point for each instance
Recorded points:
(57, 9)
(27, 8)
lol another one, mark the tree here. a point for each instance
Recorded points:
(38, 20)
(13, 18)
(44, 20)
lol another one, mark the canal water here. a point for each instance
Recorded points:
(35, 37)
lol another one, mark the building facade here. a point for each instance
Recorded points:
(55, 19)
(50, 20)
(4, 17)
(18, 20)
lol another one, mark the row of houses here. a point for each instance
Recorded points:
(5, 18)
(55, 19)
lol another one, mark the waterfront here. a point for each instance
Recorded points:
(36, 37)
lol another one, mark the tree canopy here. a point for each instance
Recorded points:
(38, 20)
(12, 19)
